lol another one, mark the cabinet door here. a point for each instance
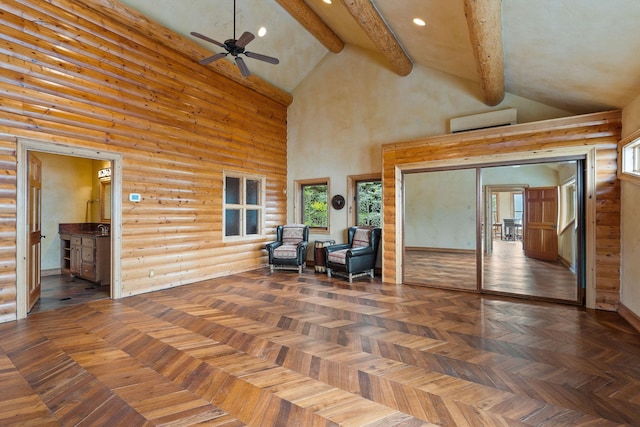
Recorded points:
(76, 256)
(88, 271)
(88, 254)
(103, 260)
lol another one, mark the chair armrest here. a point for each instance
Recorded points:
(272, 245)
(365, 250)
(333, 248)
(302, 248)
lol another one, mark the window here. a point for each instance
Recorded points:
(243, 205)
(364, 199)
(368, 203)
(631, 157)
(494, 208)
(567, 203)
(518, 206)
(314, 203)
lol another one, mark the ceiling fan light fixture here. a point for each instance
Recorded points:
(236, 47)
(327, 1)
(419, 22)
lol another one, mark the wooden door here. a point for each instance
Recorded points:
(35, 229)
(541, 223)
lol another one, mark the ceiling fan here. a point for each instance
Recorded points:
(235, 47)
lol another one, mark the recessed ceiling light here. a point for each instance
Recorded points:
(327, 1)
(262, 31)
(419, 22)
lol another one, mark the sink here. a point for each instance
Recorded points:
(103, 230)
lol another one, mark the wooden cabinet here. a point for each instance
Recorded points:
(87, 256)
(76, 260)
(65, 253)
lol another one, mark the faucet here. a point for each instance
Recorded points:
(104, 229)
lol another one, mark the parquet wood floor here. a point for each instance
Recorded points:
(284, 349)
(506, 271)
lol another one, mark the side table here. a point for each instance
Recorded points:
(319, 260)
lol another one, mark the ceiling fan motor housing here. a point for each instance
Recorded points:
(232, 48)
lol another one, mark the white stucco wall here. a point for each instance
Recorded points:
(630, 226)
(350, 104)
(440, 210)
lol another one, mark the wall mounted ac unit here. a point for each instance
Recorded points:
(484, 120)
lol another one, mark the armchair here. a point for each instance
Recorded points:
(358, 256)
(289, 251)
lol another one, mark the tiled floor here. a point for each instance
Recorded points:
(64, 291)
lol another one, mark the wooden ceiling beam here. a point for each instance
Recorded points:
(302, 13)
(484, 19)
(380, 34)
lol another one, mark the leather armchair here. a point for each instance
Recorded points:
(358, 256)
(289, 251)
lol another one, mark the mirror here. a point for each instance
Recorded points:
(541, 258)
(440, 229)
(105, 201)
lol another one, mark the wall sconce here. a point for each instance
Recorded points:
(104, 174)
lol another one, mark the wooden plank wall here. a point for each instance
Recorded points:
(601, 130)
(72, 75)
(7, 228)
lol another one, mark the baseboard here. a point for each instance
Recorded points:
(629, 316)
(50, 272)
(567, 264)
(446, 250)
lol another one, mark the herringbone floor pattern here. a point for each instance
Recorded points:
(303, 350)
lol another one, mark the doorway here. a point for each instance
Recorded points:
(89, 205)
(467, 229)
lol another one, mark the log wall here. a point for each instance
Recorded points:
(71, 74)
(600, 130)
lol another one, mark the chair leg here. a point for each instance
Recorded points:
(271, 268)
(300, 269)
(328, 272)
(371, 273)
(350, 277)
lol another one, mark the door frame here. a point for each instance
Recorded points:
(23, 146)
(489, 190)
(585, 152)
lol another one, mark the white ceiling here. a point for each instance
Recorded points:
(578, 55)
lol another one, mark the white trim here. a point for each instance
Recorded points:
(23, 146)
(630, 153)
(589, 153)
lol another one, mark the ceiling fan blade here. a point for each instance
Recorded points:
(243, 67)
(261, 57)
(212, 58)
(210, 40)
(244, 39)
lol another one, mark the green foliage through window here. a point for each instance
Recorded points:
(315, 205)
(369, 203)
